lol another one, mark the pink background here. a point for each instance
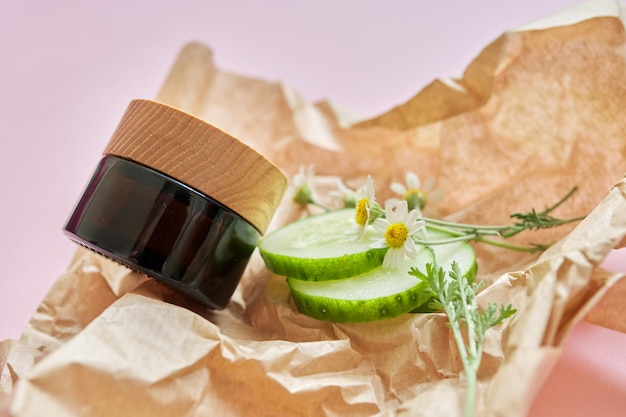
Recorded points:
(69, 68)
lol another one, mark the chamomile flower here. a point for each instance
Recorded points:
(365, 200)
(395, 232)
(344, 195)
(301, 183)
(416, 195)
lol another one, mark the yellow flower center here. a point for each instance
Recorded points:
(303, 195)
(396, 234)
(416, 198)
(361, 212)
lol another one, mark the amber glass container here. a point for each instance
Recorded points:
(179, 200)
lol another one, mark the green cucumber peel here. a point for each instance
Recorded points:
(374, 295)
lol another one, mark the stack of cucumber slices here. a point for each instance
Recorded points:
(334, 278)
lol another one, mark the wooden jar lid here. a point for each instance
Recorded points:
(202, 156)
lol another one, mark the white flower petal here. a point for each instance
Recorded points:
(429, 184)
(355, 238)
(411, 218)
(304, 176)
(355, 233)
(410, 249)
(423, 233)
(417, 226)
(380, 225)
(391, 215)
(389, 259)
(370, 190)
(361, 193)
(392, 202)
(341, 191)
(398, 188)
(412, 180)
(394, 258)
(378, 244)
(298, 179)
(401, 211)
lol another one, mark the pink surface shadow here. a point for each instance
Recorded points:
(590, 377)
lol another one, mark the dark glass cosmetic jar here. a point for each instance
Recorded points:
(179, 200)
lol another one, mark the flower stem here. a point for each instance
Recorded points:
(320, 205)
(460, 238)
(517, 248)
(470, 400)
(463, 226)
(476, 236)
(470, 371)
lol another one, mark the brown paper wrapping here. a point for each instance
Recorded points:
(539, 111)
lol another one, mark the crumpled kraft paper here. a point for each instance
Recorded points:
(537, 112)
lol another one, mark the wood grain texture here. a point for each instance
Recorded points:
(201, 156)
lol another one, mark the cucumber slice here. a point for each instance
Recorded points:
(319, 248)
(460, 252)
(374, 295)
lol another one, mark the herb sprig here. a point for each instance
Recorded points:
(456, 296)
(531, 220)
